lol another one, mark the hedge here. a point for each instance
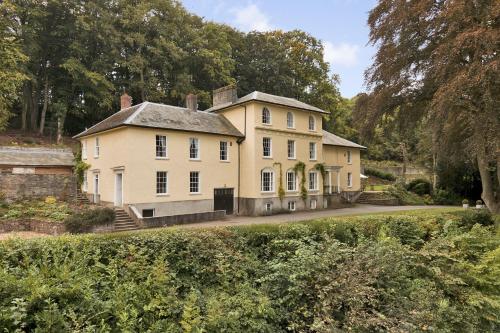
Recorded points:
(401, 273)
(379, 174)
(86, 220)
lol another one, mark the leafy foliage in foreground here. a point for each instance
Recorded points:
(86, 220)
(433, 272)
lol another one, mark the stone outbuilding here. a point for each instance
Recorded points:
(35, 172)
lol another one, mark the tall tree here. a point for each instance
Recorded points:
(440, 59)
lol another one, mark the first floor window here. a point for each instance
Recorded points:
(84, 149)
(223, 151)
(266, 147)
(291, 149)
(266, 116)
(85, 182)
(349, 179)
(313, 180)
(161, 146)
(194, 148)
(291, 181)
(194, 182)
(291, 205)
(97, 148)
(349, 157)
(289, 120)
(161, 182)
(267, 181)
(313, 204)
(312, 150)
(312, 123)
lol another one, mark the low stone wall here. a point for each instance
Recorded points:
(43, 227)
(18, 186)
(164, 221)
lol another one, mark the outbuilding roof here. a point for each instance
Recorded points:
(36, 156)
(335, 140)
(267, 98)
(163, 116)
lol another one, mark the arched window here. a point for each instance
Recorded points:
(290, 123)
(291, 181)
(266, 116)
(312, 123)
(267, 180)
(313, 180)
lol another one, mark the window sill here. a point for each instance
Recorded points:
(312, 130)
(267, 157)
(162, 194)
(313, 191)
(195, 159)
(313, 160)
(291, 128)
(292, 192)
(292, 158)
(195, 193)
(224, 161)
(161, 158)
(267, 192)
(270, 124)
(95, 157)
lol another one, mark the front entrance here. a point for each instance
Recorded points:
(118, 189)
(96, 188)
(224, 199)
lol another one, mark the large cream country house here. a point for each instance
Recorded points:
(241, 156)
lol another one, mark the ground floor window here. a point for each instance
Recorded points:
(291, 206)
(148, 212)
(291, 181)
(161, 182)
(267, 181)
(313, 181)
(194, 182)
(349, 179)
(313, 204)
(85, 182)
(268, 207)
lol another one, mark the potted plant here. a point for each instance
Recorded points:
(479, 204)
(465, 203)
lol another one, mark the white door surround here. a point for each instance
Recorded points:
(118, 189)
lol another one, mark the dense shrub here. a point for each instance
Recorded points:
(379, 174)
(444, 197)
(86, 220)
(405, 197)
(419, 186)
(48, 210)
(470, 217)
(359, 274)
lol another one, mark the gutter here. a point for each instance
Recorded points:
(239, 141)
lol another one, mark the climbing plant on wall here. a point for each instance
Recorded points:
(301, 167)
(321, 168)
(281, 190)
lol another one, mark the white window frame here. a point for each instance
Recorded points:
(316, 181)
(270, 147)
(199, 182)
(196, 142)
(159, 136)
(294, 189)
(268, 207)
(264, 116)
(313, 204)
(290, 116)
(311, 121)
(84, 149)
(166, 183)
(294, 151)
(222, 143)
(97, 147)
(292, 206)
(313, 151)
(349, 179)
(349, 157)
(271, 180)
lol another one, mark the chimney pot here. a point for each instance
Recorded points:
(227, 94)
(125, 101)
(192, 102)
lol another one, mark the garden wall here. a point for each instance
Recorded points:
(19, 186)
(50, 228)
(163, 221)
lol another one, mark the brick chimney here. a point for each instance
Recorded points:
(224, 95)
(125, 101)
(192, 102)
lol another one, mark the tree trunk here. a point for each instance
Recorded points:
(59, 130)
(26, 105)
(45, 104)
(405, 159)
(143, 96)
(488, 194)
(34, 109)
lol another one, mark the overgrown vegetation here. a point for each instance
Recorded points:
(379, 174)
(418, 271)
(49, 210)
(86, 220)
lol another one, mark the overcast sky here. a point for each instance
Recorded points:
(340, 24)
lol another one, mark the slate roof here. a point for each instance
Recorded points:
(155, 115)
(268, 98)
(23, 156)
(335, 140)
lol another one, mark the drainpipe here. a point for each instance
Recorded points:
(239, 142)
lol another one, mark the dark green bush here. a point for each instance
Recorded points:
(470, 217)
(380, 174)
(444, 197)
(419, 186)
(406, 230)
(85, 221)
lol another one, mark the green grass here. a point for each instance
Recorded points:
(377, 187)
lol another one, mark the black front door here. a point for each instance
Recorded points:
(224, 199)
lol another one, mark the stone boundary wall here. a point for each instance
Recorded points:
(43, 227)
(164, 221)
(19, 186)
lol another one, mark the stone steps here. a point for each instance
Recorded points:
(123, 222)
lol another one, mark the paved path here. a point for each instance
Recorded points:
(306, 215)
